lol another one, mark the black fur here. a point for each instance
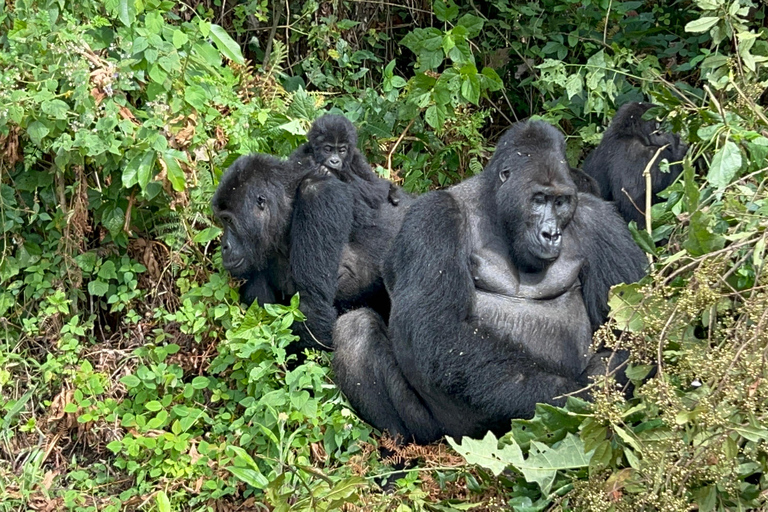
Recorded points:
(332, 149)
(497, 285)
(617, 164)
(288, 229)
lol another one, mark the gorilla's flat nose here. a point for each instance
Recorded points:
(334, 162)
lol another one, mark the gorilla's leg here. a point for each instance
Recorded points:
(321, 226)
(368, 374)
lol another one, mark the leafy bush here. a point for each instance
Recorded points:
(132, 378)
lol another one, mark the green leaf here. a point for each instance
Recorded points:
(700, 239)
(445, 10)
(541, 466)
(196, 96)
(470, 88)
(226, 45)
(115, 446)
(139, 170)
(207, 235)
(174, 172)
(725, 165)
(163, 503)
(472, 23)
(55, 108)
(251, 477)
(130, 381)
(574, 85)
(98, 288)
(37, 132)
(200, 382)
(179, 38)
(702, 24)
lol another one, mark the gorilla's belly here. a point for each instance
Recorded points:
(556, 331)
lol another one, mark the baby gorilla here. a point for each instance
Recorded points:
(332, 150)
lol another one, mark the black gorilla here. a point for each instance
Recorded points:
(288, 229)
(618, 162)
(332, 148)
(497, 285)
(585, 183)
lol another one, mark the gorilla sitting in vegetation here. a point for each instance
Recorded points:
(289, 229)
(332, 148)
(618, 162)
(497, 285)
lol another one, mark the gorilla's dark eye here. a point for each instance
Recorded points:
(562, 201)
(261, 202)
(342, 150)
(539, 198)
(504, 175)
(328, 149)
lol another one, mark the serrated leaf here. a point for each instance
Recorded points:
(472, 23)
(486, 453)
(725, 165)
(226, 45)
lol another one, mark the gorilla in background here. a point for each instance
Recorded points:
(332, 149)
(497, 285)
(585, 183)
(618, 162)
(288, 229)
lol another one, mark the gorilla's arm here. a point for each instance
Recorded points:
(321, 226)
(257, 287)
(429, 279)
(611, 255)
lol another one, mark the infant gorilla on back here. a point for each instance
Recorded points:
(295, 226)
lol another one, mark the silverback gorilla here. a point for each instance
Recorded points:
(618, 162)
(289, 229)
(497, 285)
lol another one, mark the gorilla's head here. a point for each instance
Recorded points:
(535, 196)
(254, 203)
(333, 138)
(628, 123)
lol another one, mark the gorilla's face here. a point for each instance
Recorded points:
(254, 209)
(332, 138)
(535, 199)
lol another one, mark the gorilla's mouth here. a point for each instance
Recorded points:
(234, 265)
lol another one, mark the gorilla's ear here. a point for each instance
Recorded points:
(504, 175)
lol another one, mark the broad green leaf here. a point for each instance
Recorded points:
(55, 108)
(470, 89)
(574, 85)
(98, 288)
(130, 381)
(153, 405)
(226, 45)
(196, 96)
(445, 10)
(725, 165)
(139, 170)
(702, 24)
(701, 240)
(115, 446)
(303, 106)
(37, 132)
(486, 453)
(249, 476)
(200, 382)
(163, 503)
(174, 172)
(472, 23)
(206, 235)
(179, 38)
